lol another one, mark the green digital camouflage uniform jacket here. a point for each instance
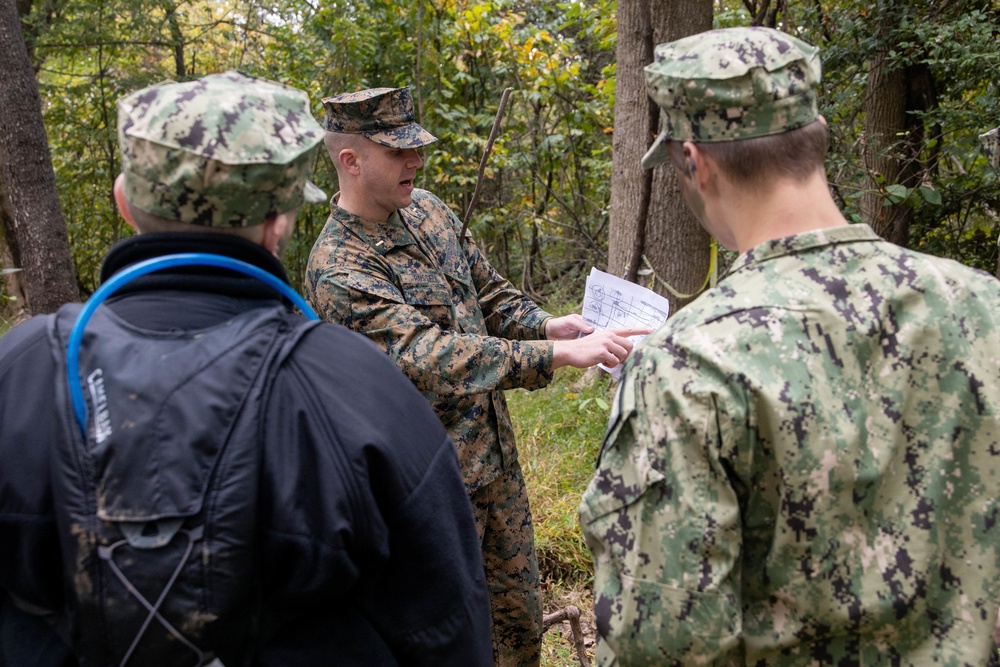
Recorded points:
(803, 467)
(457, 328)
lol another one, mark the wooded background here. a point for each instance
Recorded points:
(907, 87)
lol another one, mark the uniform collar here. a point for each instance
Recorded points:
(798, 243)
(381, 236)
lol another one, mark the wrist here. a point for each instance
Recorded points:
(543, 326)
(559, 354)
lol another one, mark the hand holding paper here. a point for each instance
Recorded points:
(567, 327)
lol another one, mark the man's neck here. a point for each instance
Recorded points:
(359, 206)
(786, 208)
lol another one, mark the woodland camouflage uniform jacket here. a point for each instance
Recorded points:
(803, 467)
(456, 327)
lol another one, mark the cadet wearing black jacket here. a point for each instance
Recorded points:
(364, 547)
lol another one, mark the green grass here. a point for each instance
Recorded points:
(559, 431)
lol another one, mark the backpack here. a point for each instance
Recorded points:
(156, 505)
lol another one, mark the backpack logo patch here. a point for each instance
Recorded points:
(99, 399)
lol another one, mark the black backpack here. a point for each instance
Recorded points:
(156, 507)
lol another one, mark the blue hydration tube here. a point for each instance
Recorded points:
(141, 269)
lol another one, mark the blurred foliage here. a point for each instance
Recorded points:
(543, 212)
(948, 52)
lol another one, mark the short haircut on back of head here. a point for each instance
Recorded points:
(795, 154)
(146, 223)
(338, 141)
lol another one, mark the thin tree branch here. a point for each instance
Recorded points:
(482, 163)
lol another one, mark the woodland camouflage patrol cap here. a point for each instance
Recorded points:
(384, 115)
(226, 150)
(991, 146)
(729, 84)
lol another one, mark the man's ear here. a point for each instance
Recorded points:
(350, 161)
(275, 233)
(698, 166)
(122, 203)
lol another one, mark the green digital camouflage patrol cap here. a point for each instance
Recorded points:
(384, 115)
(991, 146)
(730, 84)
(226, 150)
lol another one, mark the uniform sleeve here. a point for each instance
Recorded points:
(663, 522)
(414, 327)
(508, 312)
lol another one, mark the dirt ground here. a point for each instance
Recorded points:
(558, 645)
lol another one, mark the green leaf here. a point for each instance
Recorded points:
(930, 195)
(896, 194)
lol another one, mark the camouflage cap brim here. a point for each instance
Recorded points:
(409, 136)
(991, 146)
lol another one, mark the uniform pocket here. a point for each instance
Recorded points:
(648, 623)
(624, 471)
(428, 293)
(425, 288)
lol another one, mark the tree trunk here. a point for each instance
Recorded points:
(648, 214)
(29, 205)
(891, 141)
(176, 40)
(12, 310)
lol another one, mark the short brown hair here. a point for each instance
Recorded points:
(795, 154)
(336, 142)
(146, 223)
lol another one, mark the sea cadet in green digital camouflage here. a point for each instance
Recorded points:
(802, 466)
(390, 264)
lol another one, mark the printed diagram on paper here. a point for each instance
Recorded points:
(613, 303)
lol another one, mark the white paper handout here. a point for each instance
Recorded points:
(613, 303)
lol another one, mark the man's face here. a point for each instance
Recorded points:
(387, 176)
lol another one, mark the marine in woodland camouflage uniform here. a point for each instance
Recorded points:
(460, 332)
(803, 465)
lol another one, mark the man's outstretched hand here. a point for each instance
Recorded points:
(608, 346)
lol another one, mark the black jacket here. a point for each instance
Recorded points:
(366, 541)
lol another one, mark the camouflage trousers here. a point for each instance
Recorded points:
(508, 542)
